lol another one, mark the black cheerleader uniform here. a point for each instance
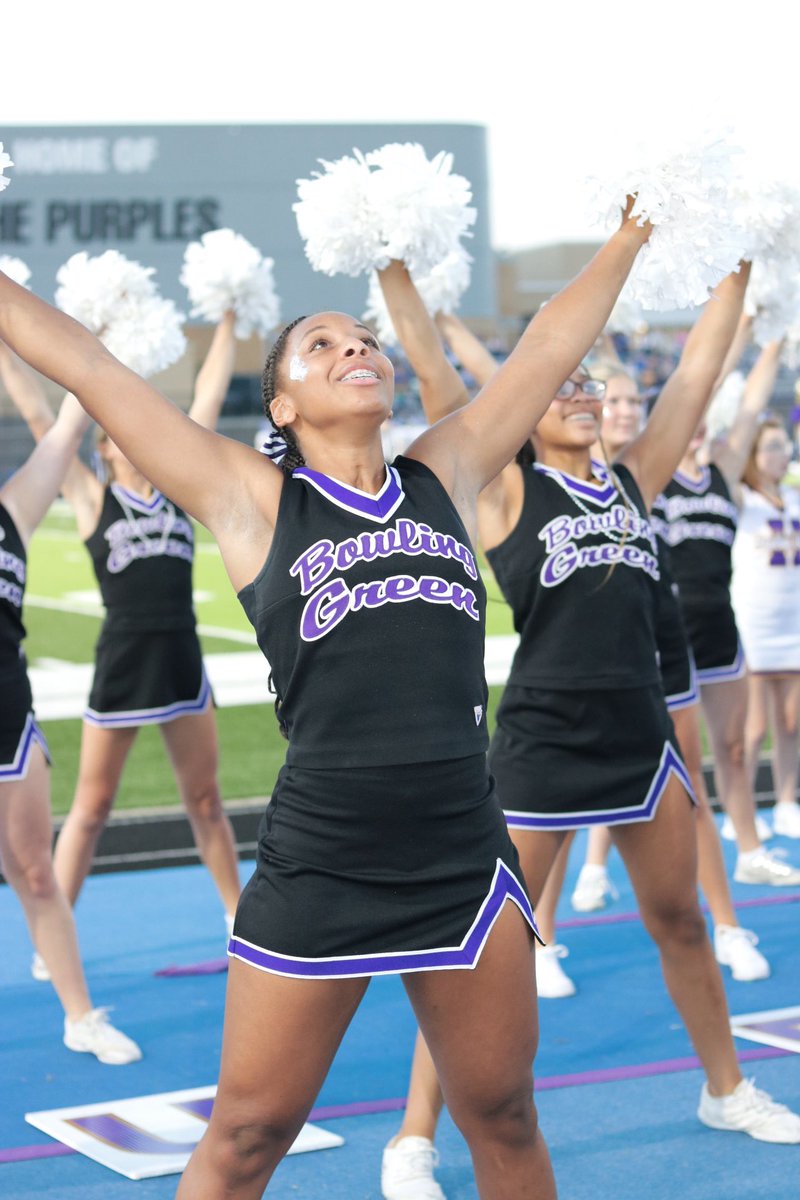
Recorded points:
(675, 659)
(583, 735)
(700, 524)
(383, 848)
(19, 731)
(148, 665)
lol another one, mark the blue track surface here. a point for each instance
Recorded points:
(626, 1139)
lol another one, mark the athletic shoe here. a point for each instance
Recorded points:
(765, 866)
(551, 982)
(786, 820)
(94, 1034)
(735, 947)
(592, 888)
(762, 829)
(407, 1170)
(39, 968)
(749, 1110)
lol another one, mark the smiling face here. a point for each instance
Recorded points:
(772, 452)
(622, 413)
(331, 369)
(571, 424)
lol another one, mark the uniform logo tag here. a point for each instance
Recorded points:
(478, 710)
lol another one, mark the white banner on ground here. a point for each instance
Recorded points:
(148, 1135)
(774, 1027)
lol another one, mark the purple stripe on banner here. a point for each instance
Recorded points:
(214, 966)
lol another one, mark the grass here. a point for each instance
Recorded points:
(251, 748)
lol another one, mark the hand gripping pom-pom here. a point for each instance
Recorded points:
(5, 161)
(440, 291)
(224, 272)
(15, 269)
(392, 203)
(696, 239)
(118, 301)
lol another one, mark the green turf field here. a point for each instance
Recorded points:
(63, 619)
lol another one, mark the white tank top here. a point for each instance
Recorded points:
(765, 589)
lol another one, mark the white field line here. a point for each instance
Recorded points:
(60, 689)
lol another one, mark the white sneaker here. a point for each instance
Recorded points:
(735, 947)
(94, 1034)
(766, 866)
(551, 982)
(749, 1110)
(786, 820)
(591, 889)
(39, 968)
(762, 829)
(407, 1170)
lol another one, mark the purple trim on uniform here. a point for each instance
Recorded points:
(18, 767)
(698, 486)
(691, 696)
(352, 499)
(136, 501)
(736, 670)
(151, 716)
(213, 966)
(670, 763)
(599, 493)
(504, 887)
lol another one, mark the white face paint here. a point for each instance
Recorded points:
(298, 369)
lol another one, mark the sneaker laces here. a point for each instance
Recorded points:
(421, 1160)
(738, 934)
(759, 1103)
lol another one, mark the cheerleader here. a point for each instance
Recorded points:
(25, 823)
(383, 848)
(148, 665)
(765, 592)
(700, 511)
(583, 736)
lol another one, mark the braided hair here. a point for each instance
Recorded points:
(294, 457)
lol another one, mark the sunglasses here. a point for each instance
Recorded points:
(593, 388)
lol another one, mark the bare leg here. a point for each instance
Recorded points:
(280, 1038)
(193, 750)
(661, 857)
(103, 755)
(481, 1026)
(538, 852)
(784, 702)
(711, 862)
(598, 846)
(551, 892)
(756, 724)
(26, 838)
(725, 707)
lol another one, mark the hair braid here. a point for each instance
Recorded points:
(294, 457)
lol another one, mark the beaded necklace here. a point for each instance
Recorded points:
(605, 478)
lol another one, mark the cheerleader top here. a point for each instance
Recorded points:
(700, 520)
(12, 589)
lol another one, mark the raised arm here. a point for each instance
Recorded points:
(468, 448)
(731, 458)
(214, 377)
(441, 388)
(736, 349)
(80, 488)
(228, 486)
(468, 349)
(32, 489)
(654, 455)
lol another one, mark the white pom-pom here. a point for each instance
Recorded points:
(5, 161)
(725, 405)
(423, 208)
(771, 212)
(336, 220)
(224, 271)
(696, 240)
(392, 203)
(118, 301)
(773, 298)
(440, 291)
(15, 269)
